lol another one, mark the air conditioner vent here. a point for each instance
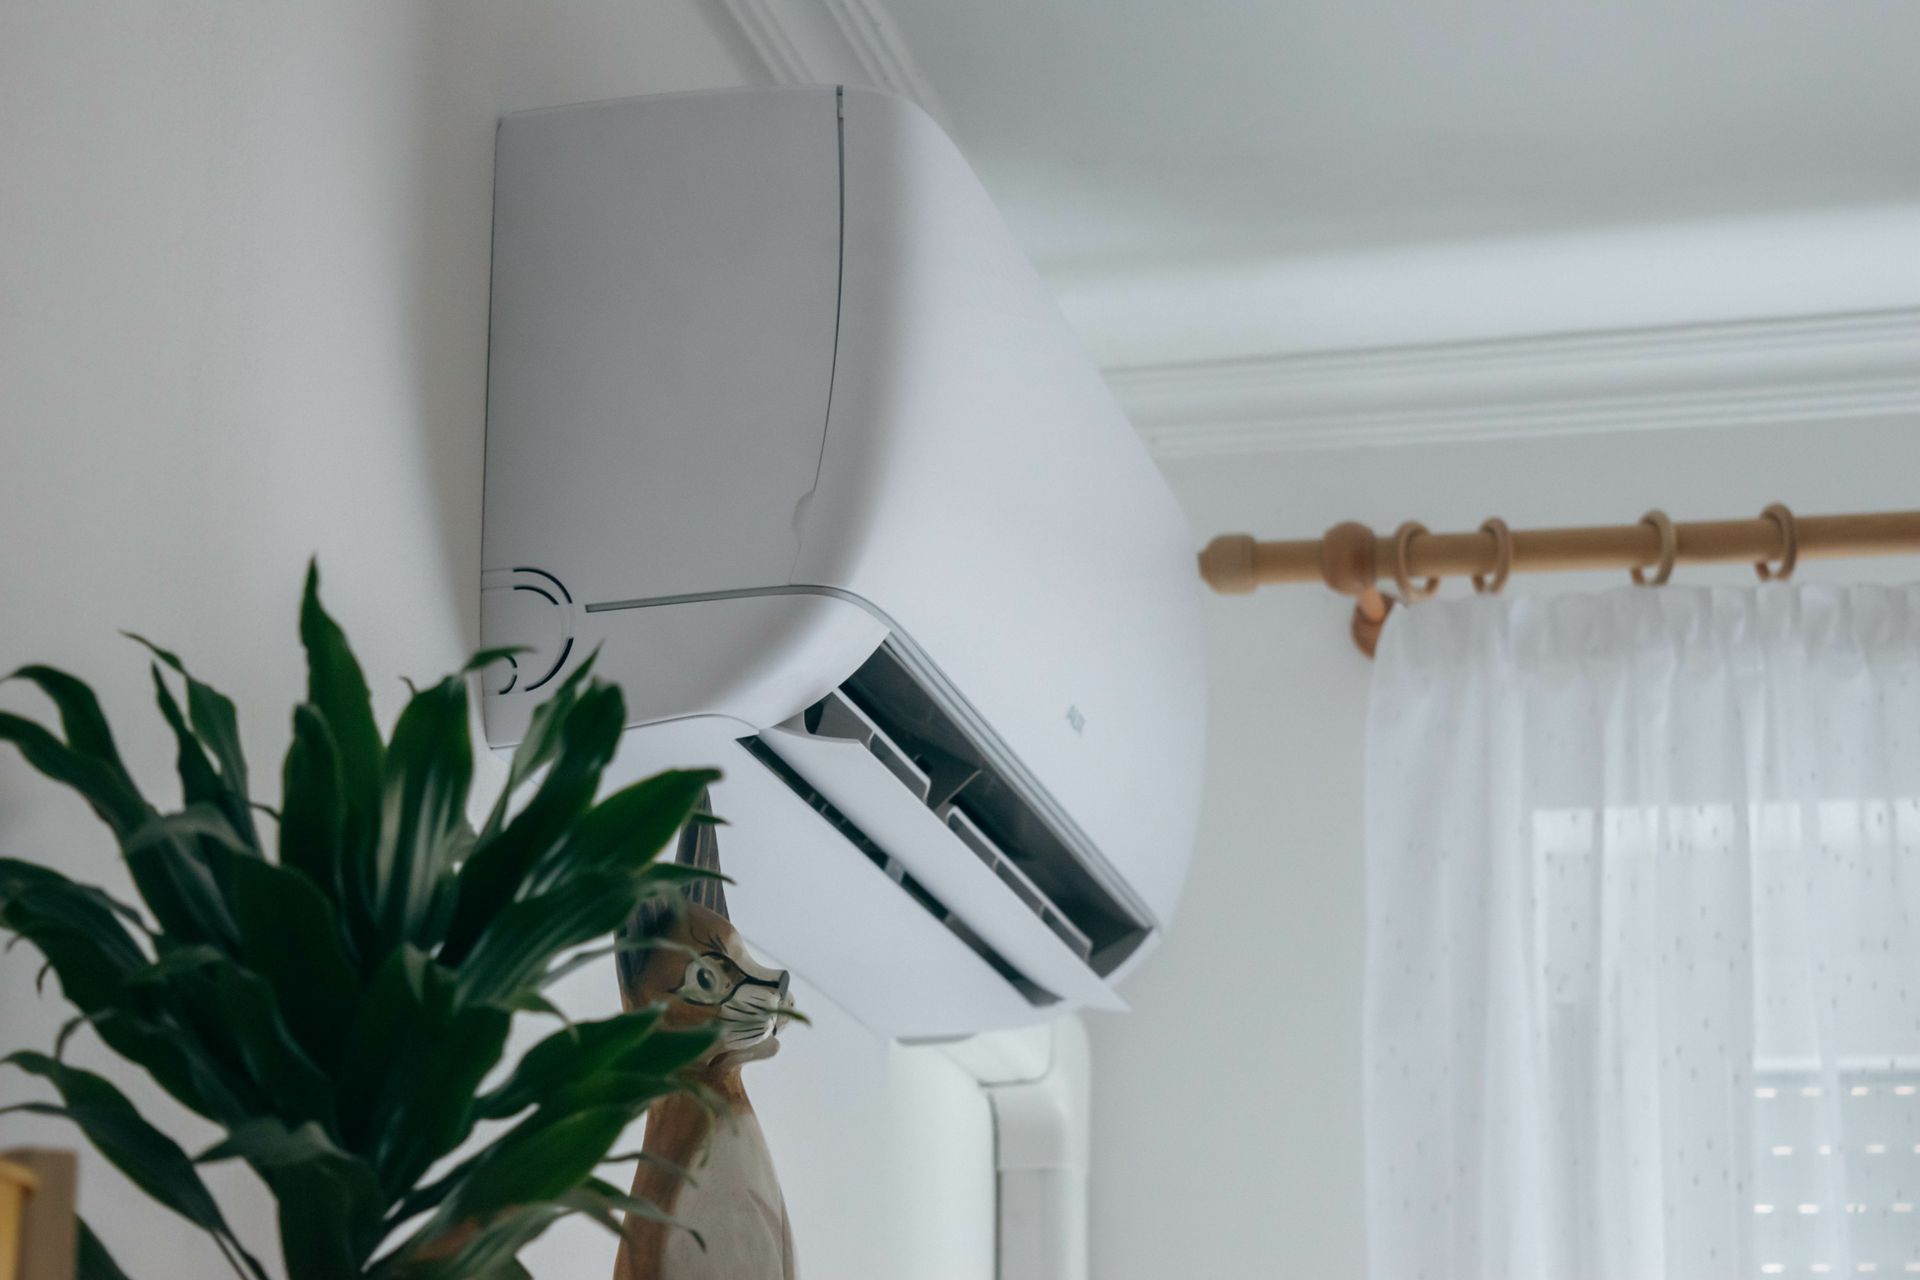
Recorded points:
(1016, 879)
(927, 749)
(1032, 992)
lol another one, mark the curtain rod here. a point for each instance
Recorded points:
(1350, 558)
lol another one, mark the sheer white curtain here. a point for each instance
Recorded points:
(1643, 991)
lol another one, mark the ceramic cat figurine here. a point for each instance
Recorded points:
(693, 963)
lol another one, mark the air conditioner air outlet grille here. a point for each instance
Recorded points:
(998, 820)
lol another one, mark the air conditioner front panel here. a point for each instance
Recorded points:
(665, 287)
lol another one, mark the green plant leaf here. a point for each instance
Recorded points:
(178, 1063)
(542, 743)
(229, 1025)
(200, 849)
(167, 855)
(154, 1162)
(217, 725)
(313, 812)
(195, 822)
(633, 1090)
(92, 1261)
(173, 961)
(667, 1051)
(463, 1251)
(17, 875)
(672, 877)
(338, 692)
(592, 955)
(485, 658)
(81, 719)
(412, 1101)
(656, 1161)
(534, 1002)
(512, 955)
(330, 1202)
(429, 767)
(419, 1200)
(291, 936)
(274, 1060)
(567, 1055)
(102, 784)
(598, 1200)
(496, 873)
(199, 780)
(89, 973)
(80, 930)
(538, 1161)
(630, 827)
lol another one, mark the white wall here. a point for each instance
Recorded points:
(1227, 1117)
(243, 288)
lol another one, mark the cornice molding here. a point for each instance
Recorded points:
(1813, 369)
(831, 42)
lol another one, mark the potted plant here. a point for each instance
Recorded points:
(337, 998)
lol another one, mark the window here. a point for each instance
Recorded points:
(1803, 997)
(1845, 1139)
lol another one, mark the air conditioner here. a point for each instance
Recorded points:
(781, 423)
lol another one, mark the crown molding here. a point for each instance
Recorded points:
(831, 42)
(1813, 369)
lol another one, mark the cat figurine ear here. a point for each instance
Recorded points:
(680, 953)
(700, 847)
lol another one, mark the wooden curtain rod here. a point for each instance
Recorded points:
(1352, 559)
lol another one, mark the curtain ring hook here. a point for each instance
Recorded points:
(1502, 557)
(1789, 541)
(1669, 550)
(1403, 539)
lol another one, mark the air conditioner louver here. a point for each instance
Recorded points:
(895, 773)
(1034, 994)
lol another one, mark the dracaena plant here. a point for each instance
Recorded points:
(337, 998)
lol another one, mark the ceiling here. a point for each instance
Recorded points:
(1218, 190)
(1123, 133)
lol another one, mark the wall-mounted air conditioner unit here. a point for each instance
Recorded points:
(782, 423)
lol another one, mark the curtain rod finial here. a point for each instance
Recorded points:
(1227, 564)
(1346, 558)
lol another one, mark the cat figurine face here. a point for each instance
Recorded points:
(698, 968)
(688, 957)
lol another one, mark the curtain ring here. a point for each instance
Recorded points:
(1402, 539)
(1502, 557)
(1789, 539)
(1669, 550)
